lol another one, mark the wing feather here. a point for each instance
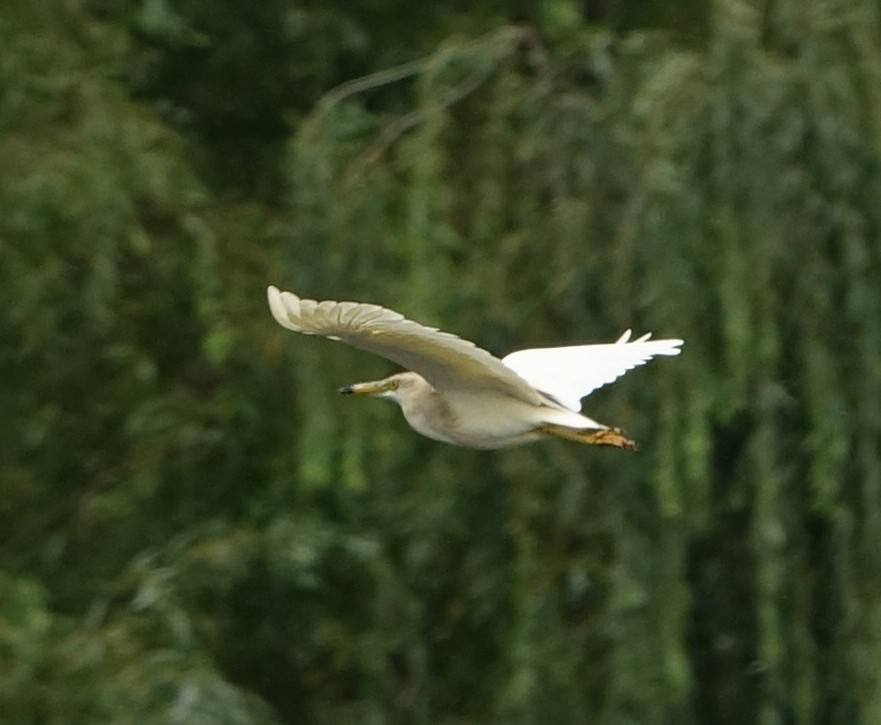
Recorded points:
(568, 374)
(445, 360)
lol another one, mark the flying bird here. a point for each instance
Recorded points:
(456, 392)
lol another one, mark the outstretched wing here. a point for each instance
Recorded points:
(568, 374)
(444, 360)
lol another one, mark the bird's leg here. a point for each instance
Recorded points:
(604, 437)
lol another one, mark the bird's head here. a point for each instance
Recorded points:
(395, 387)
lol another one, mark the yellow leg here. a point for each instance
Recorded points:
(605, 437)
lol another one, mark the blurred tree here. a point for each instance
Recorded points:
(194, 529)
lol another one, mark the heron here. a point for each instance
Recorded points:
(456, 392)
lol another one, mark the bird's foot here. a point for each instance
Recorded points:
(605, 437)
(610, 437)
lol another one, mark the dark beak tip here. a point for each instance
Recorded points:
(345, 390)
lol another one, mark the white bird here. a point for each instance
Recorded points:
(458, 393)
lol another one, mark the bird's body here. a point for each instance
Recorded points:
(458, 393)
(473, 418)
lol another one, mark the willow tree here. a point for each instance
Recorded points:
(537, 193)
(200, 530)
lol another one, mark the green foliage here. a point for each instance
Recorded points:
(196, 529)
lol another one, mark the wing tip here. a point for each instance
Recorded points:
(662, 347)
(674, 346)
(280, 306)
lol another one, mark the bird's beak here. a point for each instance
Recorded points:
(372, 388)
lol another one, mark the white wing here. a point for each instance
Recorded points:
(444, 360)
(568, 374)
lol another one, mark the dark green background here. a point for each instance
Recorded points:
(194, 528)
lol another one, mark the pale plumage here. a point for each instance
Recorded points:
(459, 393)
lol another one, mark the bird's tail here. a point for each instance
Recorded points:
(603, 437)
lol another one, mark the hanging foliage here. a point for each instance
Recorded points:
(195, 527)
